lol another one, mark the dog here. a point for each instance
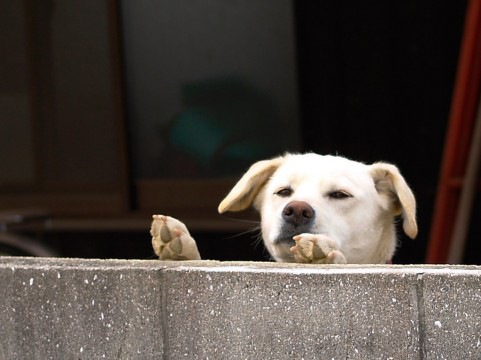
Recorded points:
(319, 209)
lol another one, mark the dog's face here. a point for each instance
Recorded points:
(352, 203)
(318, 195)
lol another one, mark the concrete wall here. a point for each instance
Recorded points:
(95, 309)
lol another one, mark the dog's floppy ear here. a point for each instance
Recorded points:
(389, 181)
(245, 191)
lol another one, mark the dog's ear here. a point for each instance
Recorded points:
(388, 181)
(245, 191)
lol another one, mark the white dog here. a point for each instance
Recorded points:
(314, 209)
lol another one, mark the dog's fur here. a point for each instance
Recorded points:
(314, 209)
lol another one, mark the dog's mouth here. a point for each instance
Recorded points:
(284, 242)
(285, 237)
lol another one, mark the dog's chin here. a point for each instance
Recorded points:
(281, 245)
(280, 249)
(282, 253)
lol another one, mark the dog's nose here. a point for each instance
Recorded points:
(298, 213)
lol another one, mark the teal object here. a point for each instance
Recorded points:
(198, 135)
(225, 126)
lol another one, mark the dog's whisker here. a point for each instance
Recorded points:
(244, 233)
(247, 221)
(256, 227)
(257, 240)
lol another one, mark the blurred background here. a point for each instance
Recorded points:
(111, 111)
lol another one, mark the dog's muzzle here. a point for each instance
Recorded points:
(298, 217)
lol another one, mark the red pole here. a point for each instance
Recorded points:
(458, 135)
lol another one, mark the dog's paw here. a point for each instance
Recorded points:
(316, 249)
(171, 239)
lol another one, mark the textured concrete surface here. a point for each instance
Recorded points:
(62, 309)
(94, 309)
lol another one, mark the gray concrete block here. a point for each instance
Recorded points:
(291, 313)
(452, 318)
(121, 309)
(63, 309)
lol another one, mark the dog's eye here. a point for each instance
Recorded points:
(339, 194)
(284, 192)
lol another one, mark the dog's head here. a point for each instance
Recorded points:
(353, 203)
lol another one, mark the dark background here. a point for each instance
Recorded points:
(382, 89)
(375, 82)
